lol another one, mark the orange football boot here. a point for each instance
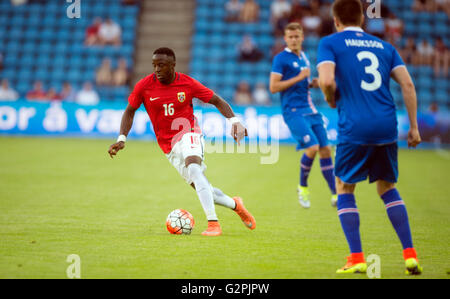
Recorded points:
(213, 229)
(245, 215)
(411, 262)
(355, 264)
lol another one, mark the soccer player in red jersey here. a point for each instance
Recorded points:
(167, 96)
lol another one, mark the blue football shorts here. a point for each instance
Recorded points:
(307, 130)
(356, 162)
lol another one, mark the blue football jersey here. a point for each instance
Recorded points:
(296, 98)
(367, 113)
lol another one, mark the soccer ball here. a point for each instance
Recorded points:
(180, 222)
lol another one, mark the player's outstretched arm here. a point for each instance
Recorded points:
(327, 82)
(125, 127)
(238, 131)
(402, 77)
(277, 85)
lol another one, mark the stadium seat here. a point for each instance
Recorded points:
(60, 61)
(441, 29)
(425, 82)
(440, 18)
(442, 84)
(8, 73)
(44, 60)
(57, 74)
(25, 74)
(424, 96)
(17, 21)
(411, 28)
(425, 29)
(13, 47)
(441, 95)
(127, 51)
(425, 71)
(27, 61)
(128, 37)
(425, 17)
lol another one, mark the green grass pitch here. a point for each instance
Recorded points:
(67, 196)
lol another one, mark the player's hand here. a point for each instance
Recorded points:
(314, 83)
(238, 131)
(414, 137)
(332, 102)
(337, 94)
(305, 73)
(114, 148)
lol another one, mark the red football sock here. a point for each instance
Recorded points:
(358, 258)
(409, 253)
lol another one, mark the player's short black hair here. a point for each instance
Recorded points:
(165, 51)
(349, 12)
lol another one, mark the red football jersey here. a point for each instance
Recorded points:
(170, 106)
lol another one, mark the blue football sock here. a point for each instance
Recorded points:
(396, 210)
(305, 168)
(349, 217)
(328, 173)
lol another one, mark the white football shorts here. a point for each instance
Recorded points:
(191, 144)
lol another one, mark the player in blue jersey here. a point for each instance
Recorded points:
(354, 73)
(291, 76)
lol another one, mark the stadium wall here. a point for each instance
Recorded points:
(103, 121)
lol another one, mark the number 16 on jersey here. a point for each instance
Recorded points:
(168, 109)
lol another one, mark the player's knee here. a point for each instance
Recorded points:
(325, 152)
(343, 188)
(193, 169)
(197, 177)
(384, 186)
(312, 151)
(193, 160)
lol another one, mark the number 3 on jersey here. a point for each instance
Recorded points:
(372, 69)
(168, 109)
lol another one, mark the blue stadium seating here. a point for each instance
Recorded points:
(216, 41)
(50, 49)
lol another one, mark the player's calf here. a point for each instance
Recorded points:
(327, 168)
(305, 168)
(202, 187)
(344, 188)
(222, 199)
